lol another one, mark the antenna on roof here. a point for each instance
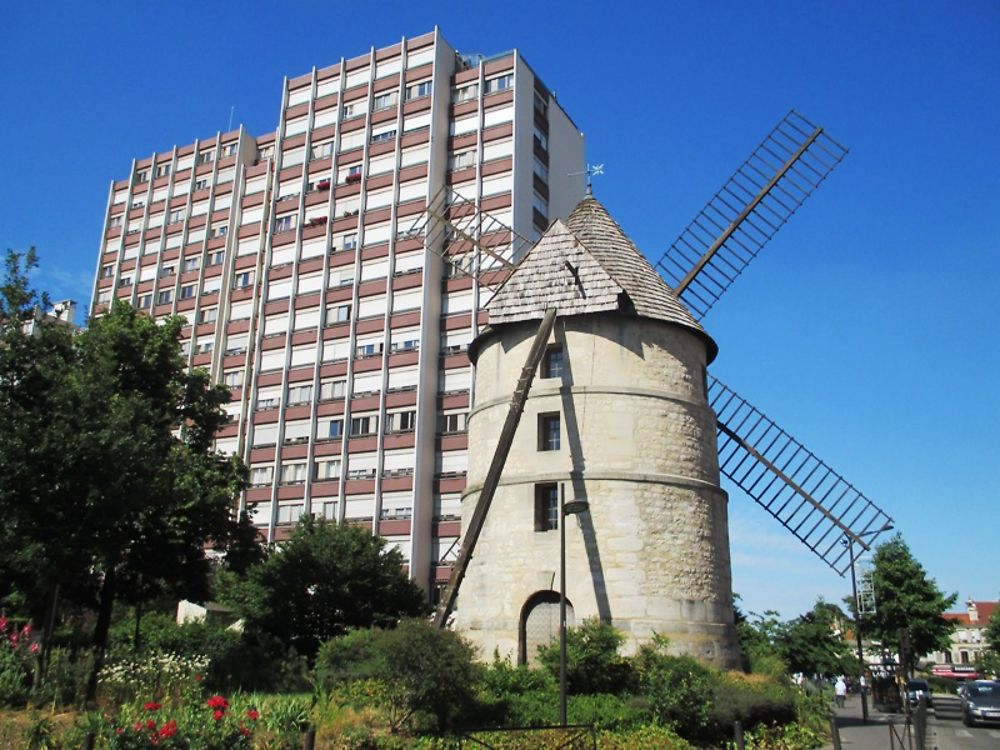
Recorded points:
(232, 109)
(592, 170)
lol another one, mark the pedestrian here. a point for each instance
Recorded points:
(840, 691)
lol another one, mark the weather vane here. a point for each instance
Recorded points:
(592, 170)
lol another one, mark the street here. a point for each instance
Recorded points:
(945, 730)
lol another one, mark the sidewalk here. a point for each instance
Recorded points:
(856, 735)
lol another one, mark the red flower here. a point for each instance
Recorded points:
(217, 714)
(217, 701)
(253, 714)
(169, 729)
(152, 706)
(26, 630)
(3, 624)
(33, 648)
(150, 725)
(119, 730)
(197, 678)
(244, 731)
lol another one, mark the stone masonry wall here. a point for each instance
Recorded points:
(638, 442)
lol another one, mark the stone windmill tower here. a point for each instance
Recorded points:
(620, 415)
(625, 417)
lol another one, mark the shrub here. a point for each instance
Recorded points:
(17, 662)
(679, 689)
(751, 702)
(423, 669)
(593, 664)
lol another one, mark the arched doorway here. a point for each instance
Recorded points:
(539, 624)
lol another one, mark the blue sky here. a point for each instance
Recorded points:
(867, 328)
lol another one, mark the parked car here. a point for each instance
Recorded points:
(981, 702)
(917, 689)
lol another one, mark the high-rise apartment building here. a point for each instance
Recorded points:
(314, 288)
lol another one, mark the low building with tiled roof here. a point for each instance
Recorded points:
(967, 639)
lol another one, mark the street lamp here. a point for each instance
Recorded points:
(857, 616)
(571, 508)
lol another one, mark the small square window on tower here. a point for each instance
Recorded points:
(546, 507)
(548, 432)
(552, 363)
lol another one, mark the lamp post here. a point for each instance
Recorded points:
(857, 618)
(565, 509)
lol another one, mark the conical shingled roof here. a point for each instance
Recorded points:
(588, 265)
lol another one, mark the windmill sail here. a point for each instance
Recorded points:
(746, 212)
(806, 496)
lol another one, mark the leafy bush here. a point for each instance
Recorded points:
(65, 682)
(593, 664)
(680, 690)
(423, 669)
(751, 702)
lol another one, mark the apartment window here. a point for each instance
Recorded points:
(418, 90)
(384, 101)
(401, 421)
(322, 150)
(166, 271)
(265, 153)
(405, 346)
(336, 428)
(236, 344)
(191, 264)
(284, 223)
(201, 184)
(187, 292)
(384, 137)
(465, 94)
(329, 469)
(221, 231)
(362, 426)
(233, 379)
(293, 473)
(142, 176)
(350, 241)
(541, 105)
(145, 301)
(300, 394)
(243, 280)
(367, 350)
(229, 149)
(163, 170)
(541, 140)
(138, 203)
(452, 423)
(541, 171)
(216, 258)
(500, 83)
(116, 221)
(175, 217)
(540, 204)
(546, 507)
(206, 157)
(205, 347)
(552, 363)
(343, 313)
(463, 160)
(332, 389)
(266, 402)
(107, 272)
(548, 432)
(164, 297)
(352, 109)
(261, 475)
(125, 281)
(289, 513)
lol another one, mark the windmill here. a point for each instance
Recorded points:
(811, 500)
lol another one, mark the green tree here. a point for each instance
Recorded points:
(758, 638)
(111, 488)
(814, 643)
(593, 664)
(906, 600)
(990, 659)
(326, 579)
